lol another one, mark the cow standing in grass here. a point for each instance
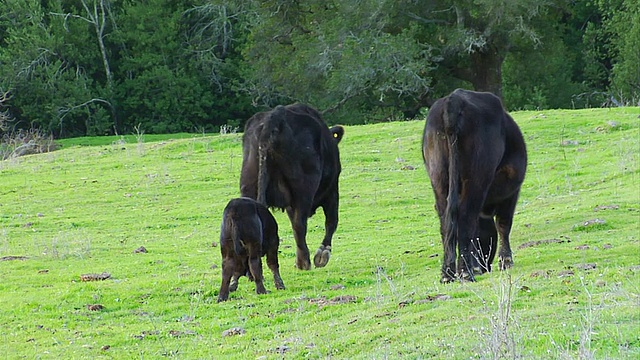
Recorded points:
(291, 161)
(476, 159)
(248, 232)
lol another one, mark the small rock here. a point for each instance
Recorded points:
(95, 277)
(593, 222)
(613, 124)
(587, 266)
(540, 273)
(95, 307)
(606, 207)
(565, 273)
(343, 299)
(139, 250)
(234, 331)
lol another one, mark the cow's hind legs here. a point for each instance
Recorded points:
(299, 224)
(465, 267)
(449, 263)
(330, 208)
(504, 220)
(483, 248)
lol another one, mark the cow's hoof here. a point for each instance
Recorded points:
(321, 259)
(233, 286)
(448, 276)
(506, 263)
(222, 298)
(279, 285)
(466, 276)
(303, 264)
(446, 279)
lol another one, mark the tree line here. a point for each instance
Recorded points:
(97, 67)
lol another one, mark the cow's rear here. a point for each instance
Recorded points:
(476, 159)
(291, 161)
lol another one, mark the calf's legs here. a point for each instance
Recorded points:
(228, 266)
(272, 262)
(255, 265)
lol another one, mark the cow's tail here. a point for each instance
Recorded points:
(263, 176)
(272, 128)
(452, 118)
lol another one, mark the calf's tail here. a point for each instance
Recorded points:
(452, 118)
(234, 231)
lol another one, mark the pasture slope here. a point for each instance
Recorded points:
(573, 293)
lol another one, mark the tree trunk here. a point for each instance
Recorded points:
(99, 21)
(486, 70)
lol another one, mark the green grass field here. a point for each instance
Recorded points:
(573, 293)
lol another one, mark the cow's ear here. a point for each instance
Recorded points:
(337, 132)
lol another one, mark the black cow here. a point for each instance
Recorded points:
(291, 161)
(248, 232)
(476, 159)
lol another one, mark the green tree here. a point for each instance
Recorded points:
(623, 23)
(37, 69)
(385, 56)
(609, 39)
(171, 77)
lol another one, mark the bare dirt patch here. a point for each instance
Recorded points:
(586, 266)
(11, 258)
(428, 299)
(95, 277)
(606, 207)
(234, 331)
(340, 299)
(541, 242)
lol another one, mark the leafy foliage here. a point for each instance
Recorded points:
(100, 67)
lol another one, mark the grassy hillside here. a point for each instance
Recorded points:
(573, 293)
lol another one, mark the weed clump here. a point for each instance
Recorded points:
(25, 142)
